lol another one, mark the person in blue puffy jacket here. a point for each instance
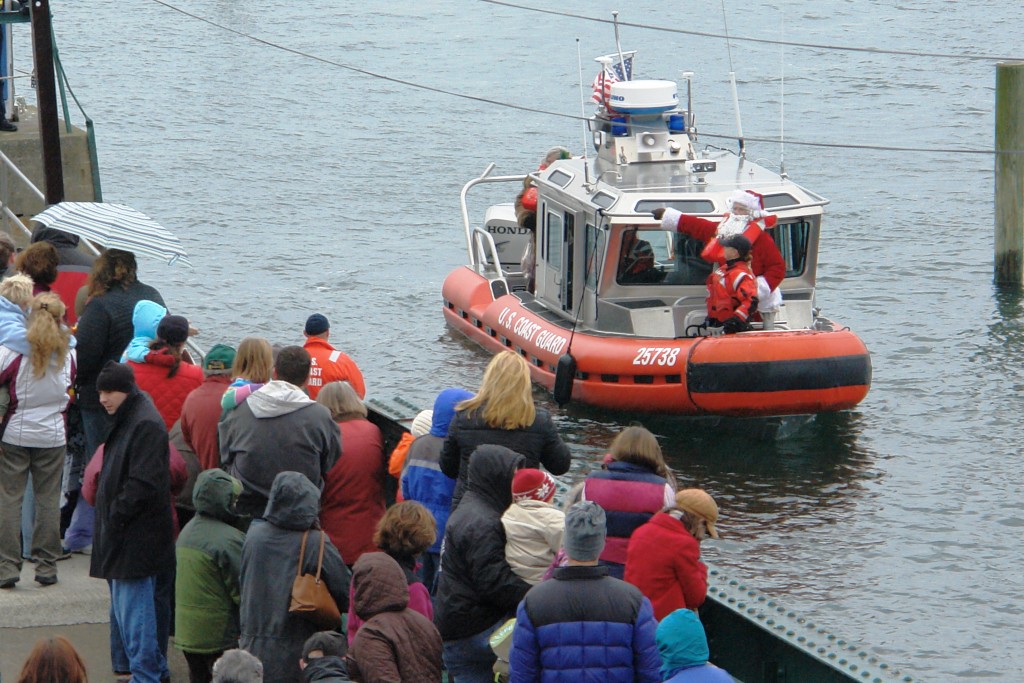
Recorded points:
(583, 625)
(424, 482)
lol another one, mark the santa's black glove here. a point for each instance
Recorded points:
(658, 213)
(736, 324)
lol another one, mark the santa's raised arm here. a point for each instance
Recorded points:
(746, 216)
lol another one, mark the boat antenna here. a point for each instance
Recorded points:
(732, 81)
(782, 96)
(583, 113)
(618, 46)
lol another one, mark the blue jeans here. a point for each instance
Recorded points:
(96, 424)
(133, 603)
(471, 660)
(163, 597)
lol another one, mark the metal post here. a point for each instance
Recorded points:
(46, 94)
(1009, 173)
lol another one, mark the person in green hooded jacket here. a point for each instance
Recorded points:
(206, 589)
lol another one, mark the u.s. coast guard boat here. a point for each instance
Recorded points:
(639, 343)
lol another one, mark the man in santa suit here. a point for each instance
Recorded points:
(747, 217)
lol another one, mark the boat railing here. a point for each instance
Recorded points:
(483, 254)
(485, 177)
(8, 167)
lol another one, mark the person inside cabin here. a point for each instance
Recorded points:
(732, 294)
(636, 261)
(526, 215)
(747, 217)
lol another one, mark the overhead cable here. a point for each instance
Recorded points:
(533, 110)
(763, 41)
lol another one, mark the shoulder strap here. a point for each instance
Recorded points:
(320, 560)
(302, 553)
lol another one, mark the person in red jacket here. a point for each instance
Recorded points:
(663, 558)
(165, 375)
(352, 502)
(201, 411)
(747, 217)
(732, 294)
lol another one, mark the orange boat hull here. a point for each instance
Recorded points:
(751, 374)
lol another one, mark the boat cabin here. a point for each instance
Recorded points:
(604, 262)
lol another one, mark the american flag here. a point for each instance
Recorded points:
(611, 73)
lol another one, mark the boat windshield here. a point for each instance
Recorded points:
(650, 256)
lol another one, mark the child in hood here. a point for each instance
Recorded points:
(533, 526)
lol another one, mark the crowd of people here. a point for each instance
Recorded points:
(240, 502)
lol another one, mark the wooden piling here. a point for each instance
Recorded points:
(46, 94)
(1009, 171)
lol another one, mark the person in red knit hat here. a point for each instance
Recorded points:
(533, 526)
(663, 557)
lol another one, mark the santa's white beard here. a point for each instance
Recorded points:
(733, 225)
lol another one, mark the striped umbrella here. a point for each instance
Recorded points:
(115, 226)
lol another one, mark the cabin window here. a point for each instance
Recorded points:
(638, 262)
(560, 178)
(779, 201)
(681, 205)
(604, 200)
(791, 239)
(650, 256)
(553, 249)
(594, 252)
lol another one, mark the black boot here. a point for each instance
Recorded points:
(5, 125)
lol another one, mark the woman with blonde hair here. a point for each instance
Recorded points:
(353, 499)
(634, 485)
(252, 368)
(502, 413)
(53, 660)
(34, 439)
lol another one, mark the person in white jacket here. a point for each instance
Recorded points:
(34, 438)
(533, 526)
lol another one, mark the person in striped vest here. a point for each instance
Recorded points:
(633, 485)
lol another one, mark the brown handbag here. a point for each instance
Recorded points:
(310, 598)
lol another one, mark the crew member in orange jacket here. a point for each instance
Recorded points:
(328, 363)
(747, 217)
(732, 293)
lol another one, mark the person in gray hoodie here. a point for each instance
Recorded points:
(270, 559)
(277, 429)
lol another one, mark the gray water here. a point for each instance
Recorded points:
(298, 186)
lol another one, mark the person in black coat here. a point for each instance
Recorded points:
(104, 330)
(503, 413)
(133, 546)
(477, 589)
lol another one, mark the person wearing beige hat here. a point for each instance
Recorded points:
(663, 557)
